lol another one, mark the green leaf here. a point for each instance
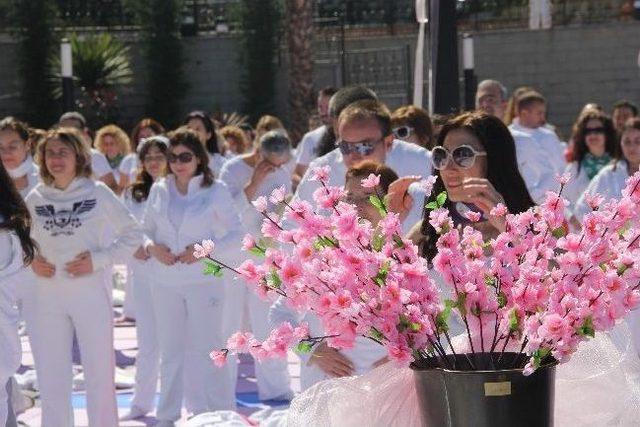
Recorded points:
(587, 329)
(377, 242)
(257, 250)
(491, 281)
(622, 269)
(431, 205)
(403, 324)
(502, 299)
(378, 204)
(304, 347)
(376, 334)
(398, 241)
(539, 355)
(212, 268)
(273, 280)
(441, 198)
(514, 321)
(559, 232)
(461, 304)
(415, 327)
(381, 278)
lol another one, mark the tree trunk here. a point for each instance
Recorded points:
(301, 93)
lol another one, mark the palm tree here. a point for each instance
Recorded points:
(100, 65)
(299, 27)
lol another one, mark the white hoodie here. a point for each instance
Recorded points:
(209, 213)
(10, 264)
(84, 216)
(609, 183)
(548, 144)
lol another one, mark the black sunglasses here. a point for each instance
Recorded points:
(363, 148)
(182, 157)
(589, 131)
(402, 132)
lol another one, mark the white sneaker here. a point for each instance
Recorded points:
(134, 413)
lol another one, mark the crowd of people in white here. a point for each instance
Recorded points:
(99, 200)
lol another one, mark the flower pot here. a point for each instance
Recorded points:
(485, 397)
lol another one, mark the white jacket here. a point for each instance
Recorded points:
(209, 214)
(10, 264)
(308, 144)
(549, 146)
(404, 158)
(84, 216)
(609, 182)
(536, 170)
(577, 185)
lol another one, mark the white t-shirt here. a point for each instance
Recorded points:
(129, 166)
(99, 164)
(308, 144)
(609, 182)
(550, 147)
(216, 162)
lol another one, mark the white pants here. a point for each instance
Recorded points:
(83, 305)
(189, 327)
(539, 14)
(272, 375)
(148, 357)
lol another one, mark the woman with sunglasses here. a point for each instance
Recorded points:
(152, 156)
(248, 177)
(476, 165)
(610, 181)
(16, 251)
(594, 147)
(412, 124)
(201, 123)
(81, 228)
(184, 208)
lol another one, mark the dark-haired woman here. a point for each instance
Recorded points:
(16, 251)
(152, 155)
(184, 208)
(594, 147)
(204, 127)
(15, 153)
(145, 128)
(475, 162)
(81, 228)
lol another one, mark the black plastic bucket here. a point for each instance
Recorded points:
(485, 398)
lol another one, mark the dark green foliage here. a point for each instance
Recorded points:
(166, 83)
(34, 23)
(260, 24)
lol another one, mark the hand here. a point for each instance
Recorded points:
(42, 267)
(81, 265)
(187, 257)
(162, 253)
(380, 362)
(141, 254)
(398, 198)
(260, 171)
(481, 193)
(331, 361)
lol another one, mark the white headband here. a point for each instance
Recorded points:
(160, 139)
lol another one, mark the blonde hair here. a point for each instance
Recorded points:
(118, 134)
(72, 138)
(237, 135)
(265, 124)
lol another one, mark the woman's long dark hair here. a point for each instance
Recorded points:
(502, 168)
(580, 148)
(140, 189)
(212, 142)
(188, 138)
(15, 215)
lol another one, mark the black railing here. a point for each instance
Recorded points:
(200, 16)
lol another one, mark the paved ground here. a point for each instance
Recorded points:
(126, 348)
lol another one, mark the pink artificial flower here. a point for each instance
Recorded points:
(240, 342)
(593, 200)
(321, 174)
(632, 188)
(427, 184)
(399, 353)
(390, 225)
(564, 178)
(372, 181)
(219, 358)
(499, 210)
(528, 369)
(278, 195)
(440, 220)
(328, 197)
(261, 204)
(248, 242)
(473, 216)
(250, 271)
(291, 270)
(203, 250)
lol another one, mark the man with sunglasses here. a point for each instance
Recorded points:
(364, 134)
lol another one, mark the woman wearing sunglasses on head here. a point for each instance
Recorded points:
(476, 165)
(203, 126)
(249, 176)
(594, 147)
(187, 207)
(412, 124)
(81, 228)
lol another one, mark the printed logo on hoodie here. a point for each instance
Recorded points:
(64, 221)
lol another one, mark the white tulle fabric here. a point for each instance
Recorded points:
(599, 386)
